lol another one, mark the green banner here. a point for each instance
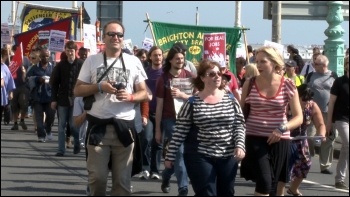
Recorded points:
(166, 34)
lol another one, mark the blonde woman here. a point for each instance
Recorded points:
(267, 127)
(250, 71)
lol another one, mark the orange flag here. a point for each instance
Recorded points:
(16, 61)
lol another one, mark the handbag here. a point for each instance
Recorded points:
(246, 108)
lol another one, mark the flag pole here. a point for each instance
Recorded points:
(151, 27)
(81, 23)
(14, 22)
(245, 44)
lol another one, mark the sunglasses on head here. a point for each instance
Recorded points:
(112, 34)
(213, 74)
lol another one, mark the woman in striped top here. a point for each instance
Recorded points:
(211, 126)
(267, 140)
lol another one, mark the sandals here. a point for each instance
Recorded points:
(293, 194)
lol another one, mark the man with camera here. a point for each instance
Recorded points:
(111, 82)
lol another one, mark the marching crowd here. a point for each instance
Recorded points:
(120, 106)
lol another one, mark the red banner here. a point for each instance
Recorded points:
(16, 61)
(30, 39)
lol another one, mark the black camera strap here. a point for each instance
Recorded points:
(109, 68)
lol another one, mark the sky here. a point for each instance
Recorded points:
(218, 13)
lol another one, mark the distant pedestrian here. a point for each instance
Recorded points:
(7, 84)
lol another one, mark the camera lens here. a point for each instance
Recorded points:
(119, 86)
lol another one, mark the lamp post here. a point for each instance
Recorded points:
(334, 44)
(238, 19)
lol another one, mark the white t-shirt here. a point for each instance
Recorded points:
(107, 105)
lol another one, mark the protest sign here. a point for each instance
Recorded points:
(56, 41)
(215, 47)
(184, 85)
(5, 34)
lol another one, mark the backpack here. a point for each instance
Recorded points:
(308, 78)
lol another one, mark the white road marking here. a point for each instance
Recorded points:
(325, 186)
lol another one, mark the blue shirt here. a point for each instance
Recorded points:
(9, 84)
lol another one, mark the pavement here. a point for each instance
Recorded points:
(29, 168)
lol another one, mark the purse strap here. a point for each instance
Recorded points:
(251, 82)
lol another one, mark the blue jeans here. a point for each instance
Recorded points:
(146, 137)
(211, 176)
(39, 110)
(156, 149)
(179, 167)
(66, 115)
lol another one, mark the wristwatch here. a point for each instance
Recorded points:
(282, 128)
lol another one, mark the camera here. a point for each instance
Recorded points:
(119, 86)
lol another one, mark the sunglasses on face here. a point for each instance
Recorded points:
(112, 34)
(213, 74)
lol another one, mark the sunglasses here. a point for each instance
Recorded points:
(213, 74)
(112, 34)
(33, 58)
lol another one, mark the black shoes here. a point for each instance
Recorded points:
(183, 192)
(59, 155)
(326, 171)
(165, 186)
(76, 149)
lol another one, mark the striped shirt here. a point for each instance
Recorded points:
(221, 127)
(266, 114)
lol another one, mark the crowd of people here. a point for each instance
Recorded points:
(127, 111)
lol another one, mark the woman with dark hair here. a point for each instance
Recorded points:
(213, 140)
(294, 55)
(300, 158)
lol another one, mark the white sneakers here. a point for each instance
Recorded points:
(49, 136)
(144, 175)
(155, 176)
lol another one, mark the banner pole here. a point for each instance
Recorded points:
(81, 23)
(151, 27)
(14, 23)
(245, 44)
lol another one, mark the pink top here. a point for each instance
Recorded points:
(266, 114)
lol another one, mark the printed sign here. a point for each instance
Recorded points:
(90, 38)
(5, 34)
(184, 85)
(215, 47)
(43, 35)
(147, 43)
(56, 41)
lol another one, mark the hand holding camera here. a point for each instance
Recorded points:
(121, 93)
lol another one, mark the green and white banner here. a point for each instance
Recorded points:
(166, 34)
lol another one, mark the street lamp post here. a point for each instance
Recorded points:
(334, 44)
(238, 19)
